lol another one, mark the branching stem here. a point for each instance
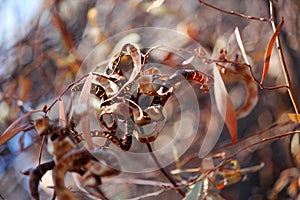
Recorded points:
(282, 60)
(180, 192)
(234, 13)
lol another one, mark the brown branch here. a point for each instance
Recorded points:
(234, 13)
(253, 136)
(41, 149)
(261, 141)
(163, 171)
(60, 25)
(261, 86)
(65, 91)
(282, 60)
(152, 194)
(65, 34)
(138, 182)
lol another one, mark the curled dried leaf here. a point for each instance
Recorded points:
(145, 85)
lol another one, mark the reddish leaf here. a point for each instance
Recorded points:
(269, 51)
(224, 105)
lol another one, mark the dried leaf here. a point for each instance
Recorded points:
(155, 4)
(136, 57)
(41, 125)
(269, 51)
(5, 110)
(11, 133)
(12, 130)
(213, 133)
(225, 109)
(240, 43)
(294, 117)
(62, 114)
(284, 179)
(84, 98)
(24, 88)
(137, 62)
(188, 61)
(15, 123)
(21, 142)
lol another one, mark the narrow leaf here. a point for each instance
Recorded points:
(294, 117)
(240, 43)
(155, 4)
(225, 110)
(213, 133)
(84, 98)
(24, 88)
(11, 133)
(195, 192)
(19, 120)
(269, 51)
(188, 61)
(224, 105)
(62, 114)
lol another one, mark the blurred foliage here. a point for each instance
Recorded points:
(38, 65)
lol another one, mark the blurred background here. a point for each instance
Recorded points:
(43, 43)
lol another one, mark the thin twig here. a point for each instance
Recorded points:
(64, 91)
(282, 60)
(254, 136)
(188, 158)
(11, 133)
(234, 13)
(163, 171)
(261, 86)
(41, 149)
(138, 182)
(152, 194)
(262, 141)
